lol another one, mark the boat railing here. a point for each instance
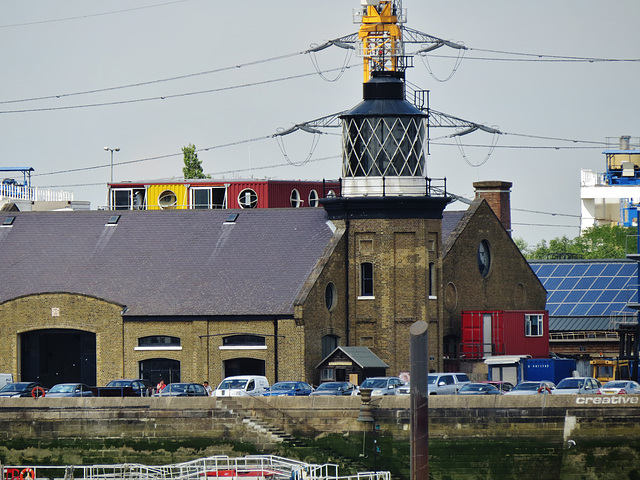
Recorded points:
(250, 467)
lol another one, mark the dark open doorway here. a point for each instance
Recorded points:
(243, 366)
(58, 356)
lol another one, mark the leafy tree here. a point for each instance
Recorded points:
(192, 165)
(602, 241)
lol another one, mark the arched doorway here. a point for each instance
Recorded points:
(58, 356)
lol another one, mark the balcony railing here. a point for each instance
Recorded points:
(34, 194)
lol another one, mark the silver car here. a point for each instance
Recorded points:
(581, 385)
(532, 388)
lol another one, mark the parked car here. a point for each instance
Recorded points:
(616, 387)
(124, 388)
(446, 383)
(241, 385)
(334, 388)
(183, 390)
(288, 389)
(19, 389)
(581, 385)
(381, 385)
(532, 388)
(478, 389)
(69, 390)
(404, 389)
(504, 387)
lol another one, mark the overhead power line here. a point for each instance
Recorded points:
(79, 17)
(152, 82)
(166, 97)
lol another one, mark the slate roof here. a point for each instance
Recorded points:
(362, 356)
(178, 262)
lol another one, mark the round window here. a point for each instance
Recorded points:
(167, 200)
(484, 258)
(295, 198)
(330, 296)
(248, 198)
(313, 198)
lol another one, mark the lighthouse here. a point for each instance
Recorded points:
(390, 211)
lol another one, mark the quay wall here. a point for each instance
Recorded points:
(555, 418)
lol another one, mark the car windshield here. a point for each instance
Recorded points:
(526, 387)
(568, 383)
(284, 386)
(177, 387)
(63, 388)
(14, 387)
(615, 385)
(374, 383)
(119, 383)
(232, 384)
(329, 386)
(431, 379)
(476, 388)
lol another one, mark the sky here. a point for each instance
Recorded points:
(152, 76)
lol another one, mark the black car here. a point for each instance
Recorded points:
(334, 388)
(141, 387)
(21, 389)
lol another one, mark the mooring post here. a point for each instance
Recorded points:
(419, 401)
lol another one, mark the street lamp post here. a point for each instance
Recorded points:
(117, 149)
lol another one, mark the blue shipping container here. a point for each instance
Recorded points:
(552, 369)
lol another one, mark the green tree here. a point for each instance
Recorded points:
(598, 242)
(192, 165)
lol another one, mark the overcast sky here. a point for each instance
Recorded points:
(226, 75)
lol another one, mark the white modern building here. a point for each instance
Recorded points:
(612, 197)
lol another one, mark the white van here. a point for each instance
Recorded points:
(5, 378)
(242, 385)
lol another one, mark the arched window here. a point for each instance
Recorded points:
(159, 342)
(329, 344)
(243, 341)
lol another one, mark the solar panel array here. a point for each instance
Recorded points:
(588, 287)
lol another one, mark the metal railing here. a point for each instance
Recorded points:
(34, 194)
(251, 467)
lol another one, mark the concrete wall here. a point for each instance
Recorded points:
(552, 418)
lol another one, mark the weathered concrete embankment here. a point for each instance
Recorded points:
(264, 421)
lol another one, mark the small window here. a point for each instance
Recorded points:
(533, 325)
(248, 198)
(167, 200)
(8, 221)
(484, 258)
(113, 220)
(366, 279)
(313, 198)
(330, 297)
(432, 280)
(296, 201)
(158, 342)
(243, 341)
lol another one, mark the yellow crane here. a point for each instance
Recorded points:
(381, 36)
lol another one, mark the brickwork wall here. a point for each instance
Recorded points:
(509, 285)
(401, 251)
(64, 311)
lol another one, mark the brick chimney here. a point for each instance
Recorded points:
(498, 196)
